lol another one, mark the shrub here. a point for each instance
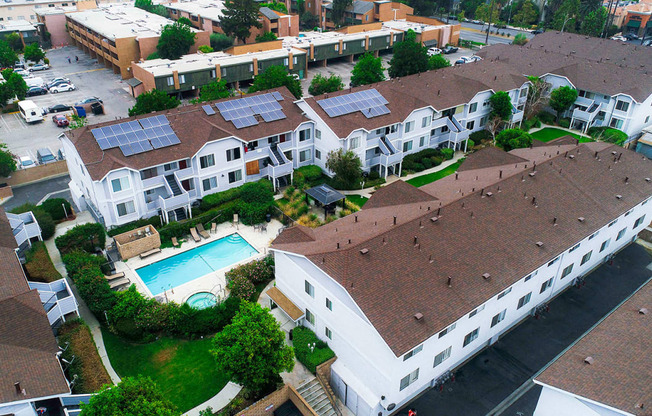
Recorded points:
(480, 136)
(185, 321)
(608, 134)
(44, 219)
(240, 286)
(39, 266)
(510, 139)
(302, 339)
(155, 221)
(564, 122)
(257, 271)
(546, 117)
(416, 162)
(82, 237)
(373, 175)
(310, 174)
(55, 207)
(84, 270)
(134, 316)
(437, 160)
(261, 191)
(447, 153)
(470, 144)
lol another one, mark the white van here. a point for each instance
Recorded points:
(30, 111)
(35, 82)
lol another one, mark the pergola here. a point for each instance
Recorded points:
(326, 196)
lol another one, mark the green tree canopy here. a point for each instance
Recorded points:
(147, 5)
(484, 13)
(132, 397)
(469, 7)
(238, 16)
(339, 9)
(308, 21)
(252, 349)
(279, 7)
(438, 61)
(510, 139)
(565, 18)
(346, 165)
(562, 98)
(321, 84)
(14, 41)
(14, 86)
(409, 57)
(175, 40)
(220, 41)
(214, 91)
(205, 49)
(274, 77)
(368, 70)
(593, 23)
(7, 161)
(527, 15)
(520, 39)
(154, 100)
(7, 55)
(501, 105)
(423, 7)
(34, 52)
(266, 37)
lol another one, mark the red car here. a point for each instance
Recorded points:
(60, 120)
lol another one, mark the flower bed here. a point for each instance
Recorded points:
(302, 337)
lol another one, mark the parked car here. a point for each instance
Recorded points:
(58, 80)
(23, 73)
(537, 31)
(449, 49)
(19, 65)
(647, 42)
(57, 108)
(477, 22)
(26, 162)
(87, 102)
(62, 88)
(630, 36)
(36, 90)
(618, 37)
(60, 120)
(39, 67)
(467, 60)
(433, 51)
(44, 155)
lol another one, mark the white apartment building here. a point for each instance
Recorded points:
(420, 280)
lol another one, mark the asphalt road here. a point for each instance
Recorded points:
(39, 191)
(491, 376)
(474, 32)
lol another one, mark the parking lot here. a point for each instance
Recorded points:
(90, 79)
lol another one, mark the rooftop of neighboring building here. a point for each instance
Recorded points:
(305, 39)
(17, 26)
(208, 9)
(55, 10)
(500, 211)
(620, 346)
(358, 7)
(405, 25)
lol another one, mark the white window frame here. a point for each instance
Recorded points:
(126, 204)
(498, 318)
(409, 379)
(209, 159)
(442, 356)
(309, 289)
(524, 300)
(123, 182)
(412, 353)
(354, 143)
(470, 337)
(237, 176)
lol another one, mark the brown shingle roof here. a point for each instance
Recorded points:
(194, 129)
(400, 193)
(489, 157)
(621, 347)
(6, 235)
(406, 278)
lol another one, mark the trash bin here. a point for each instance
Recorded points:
(97, 109)
(80, 111)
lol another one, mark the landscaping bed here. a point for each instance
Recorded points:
(39, 266)
(431, 177)
(301, 338)
(294, 205)
(357, 200)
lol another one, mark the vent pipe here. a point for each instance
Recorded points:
(450, 281)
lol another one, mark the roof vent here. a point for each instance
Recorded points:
(589, 360)
(490, 194)
(614, 153)
(580, 219)
(531, 174)
(571, 156)
(619, 197)
(364, 251)
(418, 316)
(486, 276)
(647, 179)
(434, 219)
(450, 281)
(17, 386)
(539, 243)
(643, 311)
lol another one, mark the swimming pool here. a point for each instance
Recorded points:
(202, 300)
(182, 268)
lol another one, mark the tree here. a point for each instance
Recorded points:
(346, 165)
(520, 39)
(493, 126)
(339, 9)
(321, 84)
(7, 161)
(593, 23)
(438, 61)
(274, 77)
(14, 41)
(368, 70)
(409, 57)
(132, 396)
(205, 49)
(470, 6)
(565, 17)
(501, 105)
(277, 6)
(423, 7)
(7, 55)
(527, 15)
(561, 99)
(266, 37)
(513, 139)
(536, 96)
(77, 122)
(308, 21)
(14, 86)
(219, 41)
(34, 52)
(175, 40)
(238, 17)
(214, 91)
(251, 350)
(154, 100)
(484, 13)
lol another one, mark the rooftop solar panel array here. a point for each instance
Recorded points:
(242, 112)
(369, 102)
(137, 136)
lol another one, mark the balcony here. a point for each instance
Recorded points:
(587, 113)
(57, 299)
(24, 227)
(517, 115)
(153, 182)
(256, 154)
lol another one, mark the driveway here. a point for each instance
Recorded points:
(39, 191)
(485, 381)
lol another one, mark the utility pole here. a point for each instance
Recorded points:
(491, 12)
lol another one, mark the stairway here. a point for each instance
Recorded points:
(172, 181)
(180, 214)
(316, 397)
(388, 144)
(278, 155)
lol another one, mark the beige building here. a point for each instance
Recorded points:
(29, 10)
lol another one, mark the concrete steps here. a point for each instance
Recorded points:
(314, 394)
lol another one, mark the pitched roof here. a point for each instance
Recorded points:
(406, 278)
(362, 6)
(621, 346)
(488, 157)
(560, 140)
(194, 129)
(399, 193)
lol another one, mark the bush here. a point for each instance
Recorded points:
(134, 316)
(55, 209)
(39, 266)
(185, 321)
(155, 221)
(220, 41)
(564, 122)
(510, 139)
(84, 270)
(302, 337)
(427, 163)
(44, 219)
(480, 136)
(261, 191)
(416, 162)
(447, 153)
(608, 134)
(240, 286)
(310, 174)
(257, 271)
(373, 175)
(546, 117)
(470, 144)
(82, 237)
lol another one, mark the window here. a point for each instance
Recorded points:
(310, 289)
(545, 285)
(328, 333)
(286, 61)
(473, 107)
(498, 318)
(409, 126)
(575, 247)
(120, 184)
(504, 293)
(304, 135)
(251, 67)
(629, 212)
(447, 330)
(317, 134)
(553, 261)
(304, 155)
(616, 123)
(475, 311)
(523, 92)
(410, 378)
(530, 276)
(604, 245)
(622, 105)
(235, 176)
(567, 270)
(209, 183)
(182, 79)
(223, 72)
(425, 122)
(125, 208)
(213, 73)
(147, 173)
(471, 336)
(170, 81)
(412, 353)
(524, 300)
(233, 154)
(612, 222)
(470, 125)
(422, 141)
(206, 161)
(317, 154)
(639, 221)
(483, 121)
(442, 356)
(621, 233)
(329, 304)
(444, 129)
(310, 317)
(337, 47)
(170, 166)
(592, 236)
(586, 257)
(354, 143)
(407, 146)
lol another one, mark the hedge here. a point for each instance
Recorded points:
(480, 136)
(425, 159)
(82, 237)
(54, 207)
(302, 337)
(155, 221)
(38, 264)
(608, 134)
(546, 117)
(250, 192)
(310, 174)
(84, 270)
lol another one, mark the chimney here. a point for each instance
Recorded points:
(418, 316)
(450, 281)
(17, 387)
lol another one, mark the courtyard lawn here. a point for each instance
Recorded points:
(431, 177)
(185, 371)
(550, 133)
(357, 199)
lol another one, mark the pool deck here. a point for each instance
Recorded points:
(213, 282)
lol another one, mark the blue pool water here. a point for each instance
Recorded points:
(182, 268)
(202, 300)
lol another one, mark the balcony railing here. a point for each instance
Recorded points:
(256, 154)
(174, 202)
(153, 182)
(57, 299)
(592, 110)
(517, 116)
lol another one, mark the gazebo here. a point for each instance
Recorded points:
(325, 196)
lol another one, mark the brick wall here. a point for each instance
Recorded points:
(130, 246)
(267, 405)
(361, 28)
(25, 176)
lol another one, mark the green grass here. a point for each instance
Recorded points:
(431, 177)
(550, 133)
(357, 199)
(185, 371)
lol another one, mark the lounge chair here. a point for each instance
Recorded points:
(213, 228)
(202, 231)
(150, 252)
(120, 282)
(195, 236)
(114, 276)
(175, 243)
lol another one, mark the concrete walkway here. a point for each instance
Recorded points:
(217, 402)
(543, 126)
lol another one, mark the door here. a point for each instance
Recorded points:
(183, 164)
(282, 136)
(351, 400)
(253, 168)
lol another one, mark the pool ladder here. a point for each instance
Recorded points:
(218, 293)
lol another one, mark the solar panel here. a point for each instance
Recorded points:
(241, 112)
(173, 139)
(208, 110)
(277, 95)
(103, 143)
(244, 122)
(370, 102)
(273, 115)
(98, 133)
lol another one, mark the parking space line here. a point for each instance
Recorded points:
(84, 72)
(5, 121)
(21, 122)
